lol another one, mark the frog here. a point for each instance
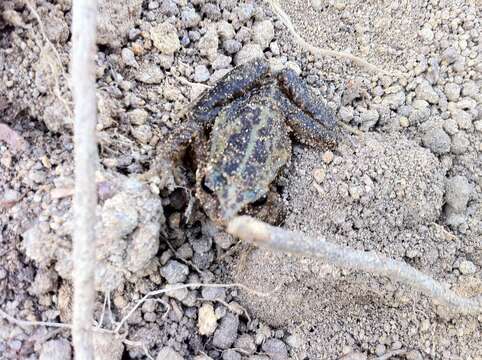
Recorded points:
(240, 134)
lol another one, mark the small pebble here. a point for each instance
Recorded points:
(226, 332)
(460, 143)
(248, 53)
(276, 349)
(467, 267)
(231, 355)
(137, 116)
(174, 272)
(168, 353)
(201, 73)
(319, 175)
(404, 122)
(426, 92)
(437, 140)
(327, 157)
(165, 39)
(207, 320)
(263, 33)
(457, 193)
(129, 58)
(56, 350)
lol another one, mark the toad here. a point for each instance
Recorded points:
(239, 132)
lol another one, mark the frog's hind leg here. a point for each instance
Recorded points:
(298, 92)
(234, 84)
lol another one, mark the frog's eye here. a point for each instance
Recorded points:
(205, 187)
(261, 201)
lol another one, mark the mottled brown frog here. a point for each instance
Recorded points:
(239, 132)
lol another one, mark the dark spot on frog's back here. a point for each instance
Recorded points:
(237, 141)
(260, 154)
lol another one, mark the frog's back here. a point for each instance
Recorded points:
(248, 146)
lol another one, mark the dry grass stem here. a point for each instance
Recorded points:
(262, 234)
(84, 23)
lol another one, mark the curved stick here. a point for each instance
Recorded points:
(262, 234)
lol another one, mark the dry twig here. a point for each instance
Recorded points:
(86, 158)
(262, 234)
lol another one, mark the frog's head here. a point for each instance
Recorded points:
(230, 192)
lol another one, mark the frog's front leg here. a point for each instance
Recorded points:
(234, 84)
(298, 92)
(306, 129)
(309, 131)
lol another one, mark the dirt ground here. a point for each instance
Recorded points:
(406, 181)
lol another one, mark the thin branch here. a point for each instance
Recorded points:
(262, 234)
(84, 22)
(285, 19)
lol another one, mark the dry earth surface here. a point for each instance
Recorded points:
(406, 183)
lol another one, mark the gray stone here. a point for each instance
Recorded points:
(150, 74)
(450, 126)
(169, 8)
(56, 350)
(263, 33)
(221, 62)
(168, 353)
(346, 113)
(425, 91)
(368, 119)
(471, 89)
(452, 91)
(208, 44)
(129, 58)
(231, 355)
(174, 272)
(142, 133)
(457, 193)
(107, 347)
(437, 140)
(231, 46)
(460, 143)
(449, 55)
(394, 101)
(165, 39)
(248, 53)
(211, 11)
(467, 267)
(137, 116)
(190, 18)
(244, 12)
(276, 349)
(246, 343)
(201, 73)
(213, 293)
(225, 30)
(226, 332)
(463, 118)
